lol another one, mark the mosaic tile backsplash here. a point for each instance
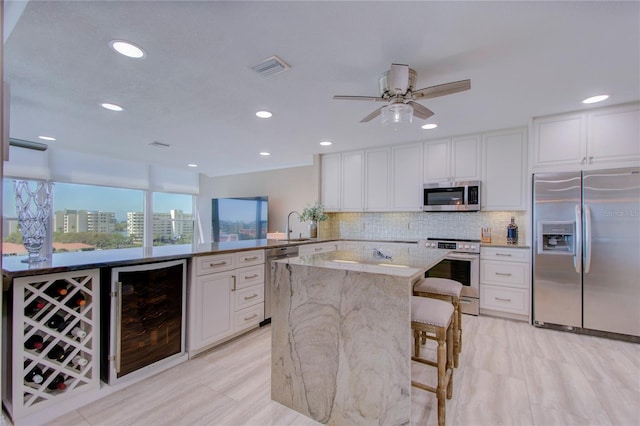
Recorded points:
(413, 226)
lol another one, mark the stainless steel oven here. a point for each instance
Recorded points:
(462, 265)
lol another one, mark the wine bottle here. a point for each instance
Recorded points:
(58, 353)
(78, 300)
(512, 232)
(79, 361)
(34, 342)
(34, 307)
(57, 383)
(78, 333)
(35, 375)
(56, 322)
(57, 290)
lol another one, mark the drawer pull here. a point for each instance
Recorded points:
(502, 300)
(213, 265)
(317, 249)
(503, 274)
(246, 259)
(248, 277)
(503, 254)
(250, 317)
(250, 297)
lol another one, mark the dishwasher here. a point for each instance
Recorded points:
(271, 255)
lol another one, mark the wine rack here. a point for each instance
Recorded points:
(63, 326)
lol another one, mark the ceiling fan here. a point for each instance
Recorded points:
(397, 89)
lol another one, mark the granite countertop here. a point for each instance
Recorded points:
(404, 261)
(12, 266)
(502, 243)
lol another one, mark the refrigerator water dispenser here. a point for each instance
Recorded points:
(556, 238)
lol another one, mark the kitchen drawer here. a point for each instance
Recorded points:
(249, 276)
(214, 263)
(504, 273)
(512, 300)
(308, 249)
(248, 258)
(249, 296)
(505, 254)
(249, 317)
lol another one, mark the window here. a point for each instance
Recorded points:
(173, 218)
(90, 217)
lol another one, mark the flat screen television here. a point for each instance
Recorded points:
(239, 218)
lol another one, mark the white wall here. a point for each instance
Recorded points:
(288, 189)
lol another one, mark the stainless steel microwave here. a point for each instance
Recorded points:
(451, 197)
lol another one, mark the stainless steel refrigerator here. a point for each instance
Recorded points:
(586, 251)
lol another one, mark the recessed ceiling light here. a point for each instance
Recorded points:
(111, 107)
(192, 165)
(429, 126)
(325, 143)
(127, 49)
(46, 138)
(264, 114)
(594, 99)
(265, 154)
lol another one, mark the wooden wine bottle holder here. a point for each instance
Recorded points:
(28, 397)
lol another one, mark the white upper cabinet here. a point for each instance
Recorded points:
(504, 170)
(607, 137)
(452, 159)
(377, 179)
(406, 177)
(352, 181)
(331, 182)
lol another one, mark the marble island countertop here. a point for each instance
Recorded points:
(402, 261)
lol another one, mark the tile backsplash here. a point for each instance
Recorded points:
(414, 226)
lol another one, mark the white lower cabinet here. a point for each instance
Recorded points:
(505, 277)
(224, 299)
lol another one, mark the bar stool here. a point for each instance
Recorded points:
(433, 319)
(448, 290)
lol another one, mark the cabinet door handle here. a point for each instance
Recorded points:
(250, 317)
(212, 265)
(318, 249)
(503, 254)
(502, 300)
(118, 326)
(246, 259)
(503, 274)
(591, 159)
(250, 297)
(234, 283)
(248, 277)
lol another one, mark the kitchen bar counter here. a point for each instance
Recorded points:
(341, 334)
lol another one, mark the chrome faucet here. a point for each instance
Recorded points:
(288, 230)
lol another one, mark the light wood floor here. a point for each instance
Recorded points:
(510, 374)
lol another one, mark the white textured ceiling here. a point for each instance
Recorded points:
(195, 89)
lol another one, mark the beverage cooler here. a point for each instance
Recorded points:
(143, 319)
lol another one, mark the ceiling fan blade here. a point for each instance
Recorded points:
(420, 111)
(398, 79)
(360, 98)
(442, 89)
(373, 115)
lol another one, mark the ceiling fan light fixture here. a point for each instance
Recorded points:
(395, 114)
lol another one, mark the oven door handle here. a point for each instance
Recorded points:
(461, 256)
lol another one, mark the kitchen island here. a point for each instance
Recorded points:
(341, 339)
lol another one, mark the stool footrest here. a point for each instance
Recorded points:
(424, 387)
(424, 361)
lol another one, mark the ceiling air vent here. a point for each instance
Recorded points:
(159, 144)
(269, 66)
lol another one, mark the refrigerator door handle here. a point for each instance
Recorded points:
(577, 257)
(587, 239)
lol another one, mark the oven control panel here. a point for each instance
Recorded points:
(460, 246)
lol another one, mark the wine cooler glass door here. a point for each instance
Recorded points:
(147, 315)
